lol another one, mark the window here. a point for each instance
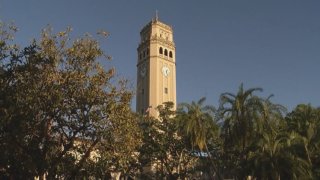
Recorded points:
(142, 91)
(170, 54)
(166, 90)
(161, 50)
(165, 52)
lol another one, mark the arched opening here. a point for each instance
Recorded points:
(166, 52)
(161, 50)
(170, 54)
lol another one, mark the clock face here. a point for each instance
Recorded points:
(143, 71)
(165, 70)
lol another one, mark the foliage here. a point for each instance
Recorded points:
(196, 121)
(240, 116)
(163, 149)
(304, 122)
(58, 105)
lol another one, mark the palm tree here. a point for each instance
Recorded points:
(305, 121)
(275, 152)
(274, 157)
(272, 115)
(196, 120)
(240, 116)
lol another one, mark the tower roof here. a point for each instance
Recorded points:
(155, 21)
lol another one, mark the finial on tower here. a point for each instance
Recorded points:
(156, 15)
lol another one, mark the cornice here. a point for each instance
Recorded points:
(163, 25)
(157, 23)
(157, 40)
(163, 58)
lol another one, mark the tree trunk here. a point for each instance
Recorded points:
(179, 164)
(83, 159)
(216, 173)
(116, 175)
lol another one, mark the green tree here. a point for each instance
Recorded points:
(196, 121)
(240, 115)
(163, 148)
(271, 155)
(118, 152)
(274, 158)
(58, 104)
(304, 121)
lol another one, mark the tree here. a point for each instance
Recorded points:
(240, 116)
(274, 158)
(272, 154)
(304, 121)
(196, 121)
(164, 151)
(118, 152)
(58, 104)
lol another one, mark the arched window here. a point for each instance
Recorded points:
(165, 52)
(170, 54)
(161, 50)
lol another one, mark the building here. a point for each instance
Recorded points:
(156, 67)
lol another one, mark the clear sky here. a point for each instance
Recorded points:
(273, 44)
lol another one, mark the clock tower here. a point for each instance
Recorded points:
(156, 67)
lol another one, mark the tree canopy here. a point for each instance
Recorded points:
(59, 105)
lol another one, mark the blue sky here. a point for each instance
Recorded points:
(273, 44)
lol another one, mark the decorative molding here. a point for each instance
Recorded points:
(163, 58)
(162, 41)
(157, 23)
(163, 25)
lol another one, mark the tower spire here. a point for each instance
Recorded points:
(156, 15)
